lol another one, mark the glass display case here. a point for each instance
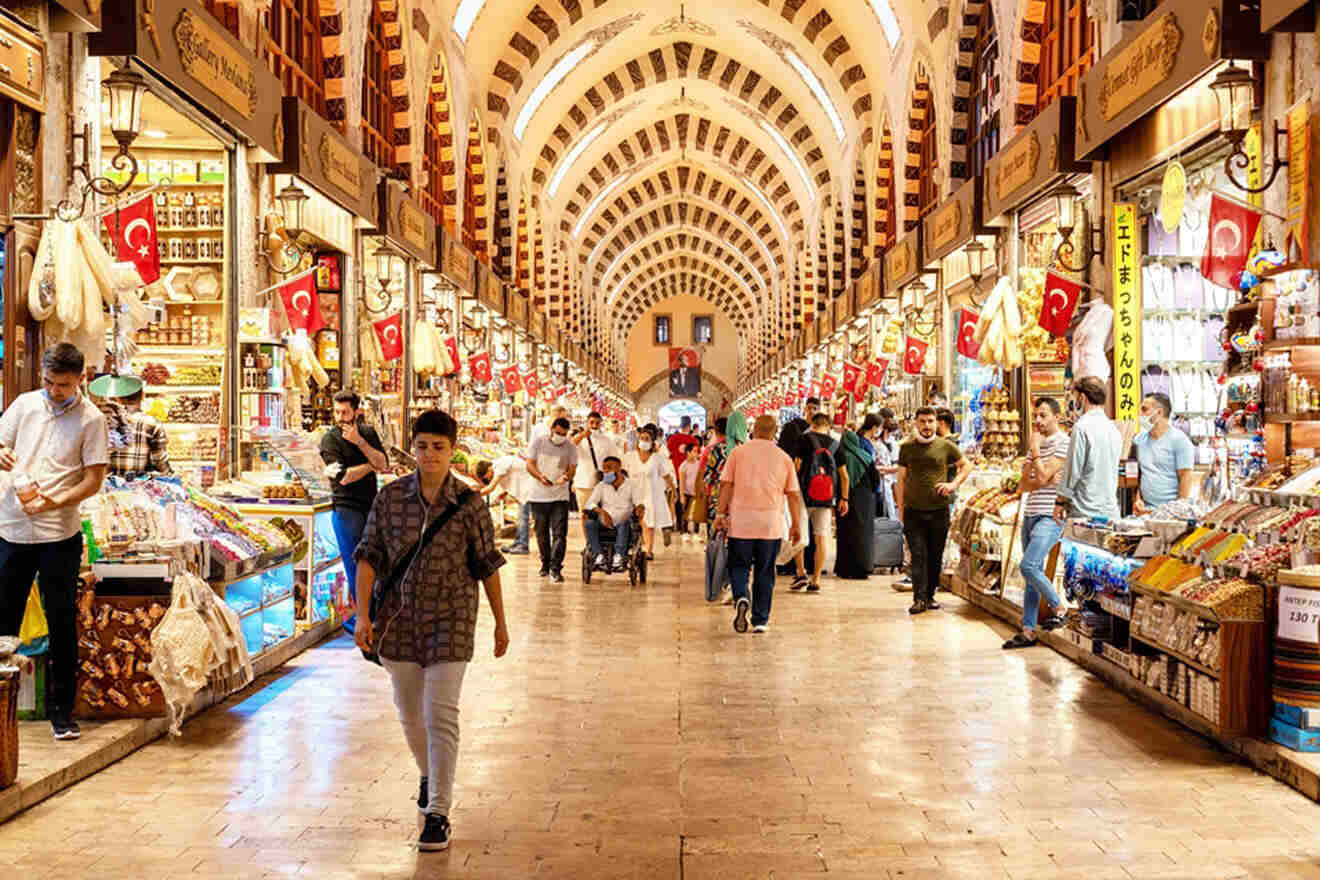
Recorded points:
(264, 604)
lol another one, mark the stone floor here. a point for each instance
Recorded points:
(633, 734)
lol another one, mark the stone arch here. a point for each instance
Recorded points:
(858, 252)
(476, 200)
(886, 192)
(522, 263)
(440, 193)
(920, 149)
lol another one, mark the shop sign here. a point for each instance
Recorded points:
(1299, 615)
(208, 58)
(902, 261)
(954, 223)
(1254, 149)
(1173, 195)
(456, 262)
(415, 226)
(867, 285)
(1127, 314)
(1141, 66)
(843, 306)
(405, 223)
(340, 165)
(313, 150)
(490, 290)
(22, 65)
(1299, 177)
(945, 225)
(517, 308)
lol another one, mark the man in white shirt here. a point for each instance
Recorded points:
(551, 461)
(53, 443)
(520, 545)
(508, 477)
(593, 447)
(611, 506)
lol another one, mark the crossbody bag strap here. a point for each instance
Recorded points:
(401, 567)
(595, 464)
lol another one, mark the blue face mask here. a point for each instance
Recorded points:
(60, 408)
(610, 479)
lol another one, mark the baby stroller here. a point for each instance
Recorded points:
(634, 557)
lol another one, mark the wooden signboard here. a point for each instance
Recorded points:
(410, 228)
(1035, 160)
(954, 223)
(903, 262)
(456, 262)
(316, 153)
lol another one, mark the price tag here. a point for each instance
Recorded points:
(1299, 615)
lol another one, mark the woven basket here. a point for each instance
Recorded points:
(8, 728)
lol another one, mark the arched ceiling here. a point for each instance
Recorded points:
(682, 147)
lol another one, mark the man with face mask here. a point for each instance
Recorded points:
(923, 493)
(1166, 455)
(613, 503)
(53, 444)
(551, 463)
(1089, 485)
(353, 454)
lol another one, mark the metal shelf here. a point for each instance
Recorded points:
(180, 389)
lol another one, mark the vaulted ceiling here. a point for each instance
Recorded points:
(681, 148)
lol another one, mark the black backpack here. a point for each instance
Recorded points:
(822, 476)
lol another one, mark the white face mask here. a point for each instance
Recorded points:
(558, 439)
(644, 445)
(1147, 423)
(922, 438)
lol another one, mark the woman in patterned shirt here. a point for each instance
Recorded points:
(425, 628)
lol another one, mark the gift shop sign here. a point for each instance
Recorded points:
(1141, 66)
(1127, 314)
(210, 60)
(1299, 615)
(1017, 166)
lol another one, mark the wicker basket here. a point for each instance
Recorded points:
(8, 727)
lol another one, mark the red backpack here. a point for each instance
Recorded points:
(820, 485)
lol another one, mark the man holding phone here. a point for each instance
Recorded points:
(551, 463)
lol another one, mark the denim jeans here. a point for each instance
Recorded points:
(622, 535)
(551, 532)
(348, 525)
(427, 700)
(54, 565)
(754, 558)
(524, 535)
(1039, 535)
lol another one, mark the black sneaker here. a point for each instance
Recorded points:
(423, 794)
(932, 605)
(799, 582)
(557, 577)
(545, 572)
(917, 607)
(813, 587)
(435, 836)
(741, 608)
(65, 728)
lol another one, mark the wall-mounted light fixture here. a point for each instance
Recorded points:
(1065, 213)
(1235, 92)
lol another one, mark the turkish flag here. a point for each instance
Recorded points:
(479, 364)
(802, 392)
(1056, 309)
(511, 379)
(302, 307)
(451, 346)
(914, 358)
(967, 344)
(875, 372)
(1232, 229)
(529, 382)
(389, 332)
(828, 385)
(548, 392)
(561, 393)
(136, 228)
(815, 389)
(851, 373)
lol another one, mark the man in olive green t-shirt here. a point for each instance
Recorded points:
(923, 494)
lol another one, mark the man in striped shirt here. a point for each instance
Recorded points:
(1040, 530)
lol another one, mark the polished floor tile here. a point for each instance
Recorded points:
(632, 733)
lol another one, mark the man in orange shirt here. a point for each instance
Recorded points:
(756, 482)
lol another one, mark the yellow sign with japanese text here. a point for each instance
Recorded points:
(1127, 314)
(1252, 146)
(1299, 179)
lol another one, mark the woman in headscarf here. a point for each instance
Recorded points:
(856, 540)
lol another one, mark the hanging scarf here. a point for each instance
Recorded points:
(736, 433)
(856, 460)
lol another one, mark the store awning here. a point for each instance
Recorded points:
(954, 223)
(1039, 157)
(185, 46)
(317, 153)
(407, 225)
(456, 262)
(22, 63)
(1179, 42)
(903, 262)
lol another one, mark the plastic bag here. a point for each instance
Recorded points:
(34, 626)
(787, 548)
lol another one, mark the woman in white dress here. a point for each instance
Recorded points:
(649, 465)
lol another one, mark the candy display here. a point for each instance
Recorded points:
(114, 651)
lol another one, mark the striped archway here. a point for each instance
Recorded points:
(920, 162)
(333, 64)
(440, 195)
(858, 253)
(476, 198)
(522, 263)
(886, 194)
(1028, 67)
(960, 133)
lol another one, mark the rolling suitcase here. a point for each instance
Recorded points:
(888, 548)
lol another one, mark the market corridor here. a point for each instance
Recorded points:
(635, 735)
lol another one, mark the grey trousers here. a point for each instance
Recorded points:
(427, 700)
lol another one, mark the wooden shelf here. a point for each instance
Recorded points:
(192, 262)
(181, 389)
(171, 229)
(1291, 343)
(1291, 418)
(1175, 654)
(176, 351)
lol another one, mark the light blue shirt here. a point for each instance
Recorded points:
(1161, 458)
(1090, 475)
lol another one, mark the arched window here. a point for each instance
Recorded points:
(886, 196)
(1067, 47)
(983, 118)
(377, 103)
(293, 50)
(440, 195)
(476, 220)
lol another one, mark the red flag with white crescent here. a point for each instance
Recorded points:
(967, 344)
(1056, 309)
(389, 332)
(302, 307)
(851, 373)
(512, 379)
(451, 346)
(828, 385)
(479, 364)
(137, 237)
(1232, 229)
(815, 389)
(914, 357)
(530, 383)
(875, 372)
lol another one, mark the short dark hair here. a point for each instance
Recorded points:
(871, 422)
(813, 401)
(722, 426)
(891, 424)
(1051, 403)
(611, 458)
(946, 416)
(348, 396)
(819, 419)
(886, 412)
(561, 423)
(1162, 400)
(62, 357)
(685, 422)
(438, 422)
(1092, 388)
(924, 411)
(484, 467)
(594, 415)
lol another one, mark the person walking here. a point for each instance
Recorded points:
(677, 445)
(508, 477)
(688, 477)
(923, 493)
(758, 479)
(1165, 454)
(435, 542)
(53, 445)
(855, 549)
(651, 467)
(612, 505)
(593, 447)
(551, 461)
(353, 454)
(815, 464)
(1089, 484)
(1040, 531)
